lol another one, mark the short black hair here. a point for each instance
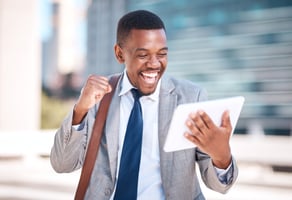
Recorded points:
(139, 19)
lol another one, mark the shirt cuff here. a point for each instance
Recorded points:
(78, 127)
(225, 175)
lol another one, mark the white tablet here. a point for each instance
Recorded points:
(214, 108)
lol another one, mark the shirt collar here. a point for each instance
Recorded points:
(127, 86)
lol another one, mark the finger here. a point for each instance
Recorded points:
(96, 87)
(98, 79)
(190, 124)
(106, 85)
(109, 89)
(100, 83)
(226, 120)
(206, 119)
(192, 138)
(199, 122)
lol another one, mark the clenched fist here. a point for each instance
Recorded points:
(93, 91)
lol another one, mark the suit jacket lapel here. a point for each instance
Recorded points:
(167, 104)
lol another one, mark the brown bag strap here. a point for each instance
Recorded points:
(94, 142)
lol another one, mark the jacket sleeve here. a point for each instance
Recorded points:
(207, 170)
(69, 148)
(209, 175)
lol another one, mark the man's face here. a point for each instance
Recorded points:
(145, 56)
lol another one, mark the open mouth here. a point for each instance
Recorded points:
(150, 77)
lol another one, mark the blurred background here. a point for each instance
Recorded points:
(230, 47)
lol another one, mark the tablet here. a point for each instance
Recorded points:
(176, 140)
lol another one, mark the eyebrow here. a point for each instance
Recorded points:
(143, 49)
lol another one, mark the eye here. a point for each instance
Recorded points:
(162, 55)
(142, 56)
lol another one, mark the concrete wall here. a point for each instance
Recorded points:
(19, 65)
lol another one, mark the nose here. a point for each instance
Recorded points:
(154, 61)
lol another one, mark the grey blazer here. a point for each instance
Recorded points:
(178, 169)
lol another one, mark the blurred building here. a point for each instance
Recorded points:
(64, 49)
(229, 47)
(50, 47)
(234, 48)
(19, 65)
(102, 18)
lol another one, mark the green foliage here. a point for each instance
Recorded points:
(53, 111)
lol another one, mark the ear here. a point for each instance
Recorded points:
(119, 54)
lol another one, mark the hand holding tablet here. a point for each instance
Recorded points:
(214, 108)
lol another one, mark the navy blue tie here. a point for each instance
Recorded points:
(130, 160)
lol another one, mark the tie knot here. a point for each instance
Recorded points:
(136, 94)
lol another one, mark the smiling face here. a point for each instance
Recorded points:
(144, 54)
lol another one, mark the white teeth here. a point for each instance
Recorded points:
(150, 75)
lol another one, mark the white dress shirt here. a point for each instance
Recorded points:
(149, 182)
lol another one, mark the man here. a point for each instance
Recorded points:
(142, 47)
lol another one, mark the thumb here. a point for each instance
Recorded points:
(109, 89)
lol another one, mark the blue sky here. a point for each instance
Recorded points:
(46, 26)
(45, 13)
